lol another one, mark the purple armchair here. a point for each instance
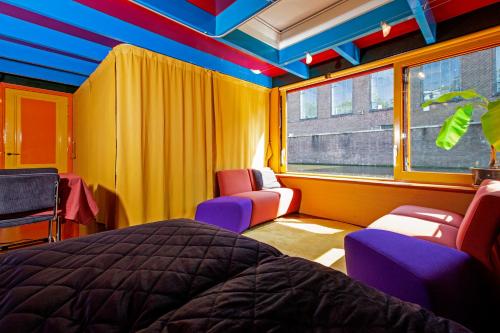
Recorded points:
(441, 260)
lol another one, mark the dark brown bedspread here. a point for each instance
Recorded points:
(184, 276)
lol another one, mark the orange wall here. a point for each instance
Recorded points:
(361, 202)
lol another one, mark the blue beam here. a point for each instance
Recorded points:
(183, 12)
(349, 51)
(263, 51)
(23, 53)
(237, 13)
(42, 73)
(38, 35)
(423, 15)
(86, 18)
(392, 13)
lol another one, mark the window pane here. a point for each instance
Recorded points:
(342, 97)
(471, 71)
(382, 90)
(308, 103)
(354, 142)
(497, 65)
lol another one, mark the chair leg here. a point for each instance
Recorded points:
(58, 229)
(50, 238)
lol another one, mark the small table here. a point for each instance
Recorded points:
(77, 203)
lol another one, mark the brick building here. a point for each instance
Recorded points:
(351, 123)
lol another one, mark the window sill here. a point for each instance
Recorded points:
(384, 182)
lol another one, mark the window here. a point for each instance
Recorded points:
(475, 71)
(440, 77)
(309, 103)
(382, 90)
(497, 67)
(342, 97)
(358, 145)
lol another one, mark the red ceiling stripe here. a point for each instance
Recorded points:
(214, 7)
(139, 16)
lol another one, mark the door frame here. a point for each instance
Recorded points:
(69, 96)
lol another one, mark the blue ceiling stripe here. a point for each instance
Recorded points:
(237, 13)
(423, 15)
(392, 13)
(184, 12)
(349, 51)
(37, 72)
(248, 44)
(35, 34)
(34, 56)
(83, 17)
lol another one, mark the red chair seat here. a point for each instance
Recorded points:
(265, 205)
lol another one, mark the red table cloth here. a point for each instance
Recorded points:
(77, 203)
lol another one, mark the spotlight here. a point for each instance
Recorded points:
(309, 58)
(421, 75)
(386, 28)
(256, 71)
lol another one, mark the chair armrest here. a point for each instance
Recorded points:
(439, 278)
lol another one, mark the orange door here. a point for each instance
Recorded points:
(36, 130)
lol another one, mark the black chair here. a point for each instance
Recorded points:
(29, 196)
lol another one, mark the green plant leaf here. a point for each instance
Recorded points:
(454, 127)
(491, 124)
(466, 94)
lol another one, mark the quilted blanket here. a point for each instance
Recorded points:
(185, 276)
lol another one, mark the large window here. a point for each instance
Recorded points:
(497, 67)
(471, 71)
(308, 103)
(342, 97)
(440, 77)
(382, 90)
(360, 144)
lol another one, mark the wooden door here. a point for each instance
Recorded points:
(36, 130)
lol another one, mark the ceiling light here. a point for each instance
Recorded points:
(309, 58)
(421, 75)
(386, 28)
(256, 71)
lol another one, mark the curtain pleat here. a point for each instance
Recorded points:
(176, 124)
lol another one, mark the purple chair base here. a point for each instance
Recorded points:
(231, 213)
(441, 279)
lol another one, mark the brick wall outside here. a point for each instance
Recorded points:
(365, 137)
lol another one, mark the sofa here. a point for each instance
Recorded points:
(247, 197)
(441, 260)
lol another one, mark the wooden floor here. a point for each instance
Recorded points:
(313, 238)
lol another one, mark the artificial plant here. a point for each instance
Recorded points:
(456, 125)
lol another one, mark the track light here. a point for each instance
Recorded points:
(256, 71)
(386, 28)
(309, 58)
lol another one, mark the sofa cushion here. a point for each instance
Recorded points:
(265, 205)
(289, 199)
(411, 226)
(430, 214)
(233, 181)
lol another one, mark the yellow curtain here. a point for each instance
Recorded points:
(175, 124)
(95, 137)
(241, 123)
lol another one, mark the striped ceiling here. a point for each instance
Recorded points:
(65, 40)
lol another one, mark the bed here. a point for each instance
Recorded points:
(185, 276)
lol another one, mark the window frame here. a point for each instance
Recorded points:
(485, 39)
(300, 102)
(332, 114)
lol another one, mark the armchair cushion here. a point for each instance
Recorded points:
(289, 199)
(265, 205)
(411, 226)
(430, 214)
(233, 181)
(437, 277)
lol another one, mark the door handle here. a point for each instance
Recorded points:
(10, 154)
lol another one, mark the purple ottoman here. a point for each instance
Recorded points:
(231, 213)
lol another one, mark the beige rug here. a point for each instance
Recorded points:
(313, 238)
